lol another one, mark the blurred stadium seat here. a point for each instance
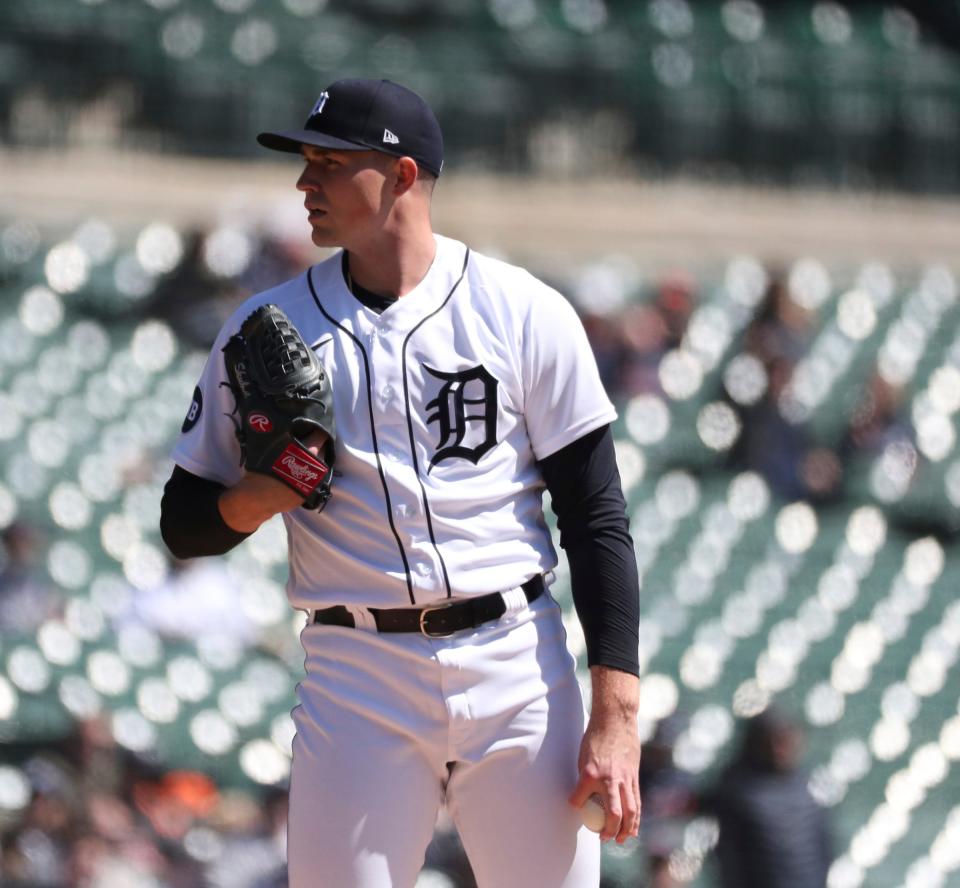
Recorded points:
(808, 91)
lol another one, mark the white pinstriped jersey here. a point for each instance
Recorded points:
(443, 404)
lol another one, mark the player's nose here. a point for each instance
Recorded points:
(307, 180)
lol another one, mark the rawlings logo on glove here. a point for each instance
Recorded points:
(283, 395)
(259, 423)
(300, 468)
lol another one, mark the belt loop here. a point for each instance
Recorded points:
(515, 600)
(362, 618)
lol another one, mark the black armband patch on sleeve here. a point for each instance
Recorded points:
(193, 412)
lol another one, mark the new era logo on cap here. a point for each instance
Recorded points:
(318, 106)
(353, 114)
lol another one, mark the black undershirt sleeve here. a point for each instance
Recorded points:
(190, 521)
(587, 497)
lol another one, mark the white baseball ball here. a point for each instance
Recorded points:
(593, 814)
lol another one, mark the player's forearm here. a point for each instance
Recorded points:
(242, 514)
(254, 500)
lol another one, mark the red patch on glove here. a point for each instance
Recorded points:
(302, 470)
(259, 422)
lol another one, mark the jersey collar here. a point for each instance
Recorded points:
(406, 312)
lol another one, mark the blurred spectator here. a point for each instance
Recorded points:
(770, 443)
(648, 330)
(39, 852)
(629, 339)
(253, 842)
(782, 451)
(644, 332)
(198, 599)
(604, 334)
(772, 832)
(675, 300)
(782, 329)
(175, 802)
(669, 801)
(875, 423)
(26, 595)
(189, 298)
(215, 275)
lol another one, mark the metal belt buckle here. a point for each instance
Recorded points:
(423, 616)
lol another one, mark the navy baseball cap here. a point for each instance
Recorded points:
(360, 115)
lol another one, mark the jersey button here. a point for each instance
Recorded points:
(401, 511)
(386, 392)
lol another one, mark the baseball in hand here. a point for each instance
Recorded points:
(593, 814)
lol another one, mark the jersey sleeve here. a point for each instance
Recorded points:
(207, 445)
(564, 398)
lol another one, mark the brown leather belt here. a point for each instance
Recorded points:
(437, 620)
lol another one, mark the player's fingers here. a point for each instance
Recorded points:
(614, 808)
(639, 798)
(315, 442)
(630, 804)
(586, 786)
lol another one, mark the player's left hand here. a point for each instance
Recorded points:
(609, 761)
(283, 394)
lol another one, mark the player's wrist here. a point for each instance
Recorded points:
(254, 500)
(615, 695)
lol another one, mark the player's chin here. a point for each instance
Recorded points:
(323, 237)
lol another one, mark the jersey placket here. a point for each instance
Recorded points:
(385, 344)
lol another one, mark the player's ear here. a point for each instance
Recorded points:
(405, 175)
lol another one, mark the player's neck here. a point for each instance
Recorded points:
(393, 266)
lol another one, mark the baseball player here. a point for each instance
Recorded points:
(453, 390)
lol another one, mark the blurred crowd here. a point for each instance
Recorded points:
(82, 810)
(771, 833)
(97, 816)
(631, 341)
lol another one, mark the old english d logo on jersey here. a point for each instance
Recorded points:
(465, 411)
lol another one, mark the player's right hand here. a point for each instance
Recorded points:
(609, 761)
(609, 766)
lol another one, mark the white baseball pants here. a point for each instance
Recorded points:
(389, 727)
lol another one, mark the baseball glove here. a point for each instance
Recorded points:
(283, 394)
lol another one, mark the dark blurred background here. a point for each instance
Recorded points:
(754, 208)
(862, 94)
